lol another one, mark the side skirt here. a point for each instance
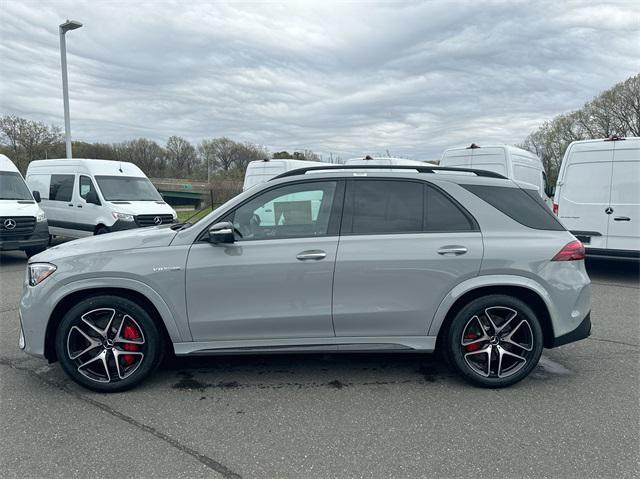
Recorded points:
(309, 345)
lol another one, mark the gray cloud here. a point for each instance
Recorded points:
(348, 78)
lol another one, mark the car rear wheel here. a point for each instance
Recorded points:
(495, 341)
(108, 343)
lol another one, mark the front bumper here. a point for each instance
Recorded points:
(39, 238)
(581, 332)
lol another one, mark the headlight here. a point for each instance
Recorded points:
(174, 215)
(40, 216)
(122, 216)
(38, 272)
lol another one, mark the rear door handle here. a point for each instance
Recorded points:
(621, 218)
(454, 250)
(314, 254)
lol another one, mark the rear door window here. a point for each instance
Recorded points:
(61, 188)
(383, 206)
(443, 215)
(522, 205)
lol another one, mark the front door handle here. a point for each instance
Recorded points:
(315, 254)
(621, 218)
(454, 250)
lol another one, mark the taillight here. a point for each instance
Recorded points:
(573, 251)
(555, 208)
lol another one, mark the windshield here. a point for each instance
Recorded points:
(127, 188)
(12, 187)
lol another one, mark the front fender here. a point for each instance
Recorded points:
(175, 332)
(480, 282)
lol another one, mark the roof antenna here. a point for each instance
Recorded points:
(368, 157)
(120, 167)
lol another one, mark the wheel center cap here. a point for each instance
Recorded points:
(494, 340)
(108, 343)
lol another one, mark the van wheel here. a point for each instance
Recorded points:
(108, 343)
(495, 341)
(100, 230)
(34, 251)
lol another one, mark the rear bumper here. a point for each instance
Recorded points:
(581, 332)
(39, 238)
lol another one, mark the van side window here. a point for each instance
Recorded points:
(383, 206)
(86, 185)
(443, 215)
(61, 188)
(292, 211)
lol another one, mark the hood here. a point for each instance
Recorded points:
(155, 236)
(15, 208)
(141, 207)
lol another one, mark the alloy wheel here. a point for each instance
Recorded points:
(497, 342)
(106, 345)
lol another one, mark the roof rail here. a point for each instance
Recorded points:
(419, 169)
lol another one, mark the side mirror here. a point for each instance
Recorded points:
(92, 197)
(222, 233)
(36, 196)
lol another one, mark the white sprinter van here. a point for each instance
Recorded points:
(510, 161)
(260, 171)
(598, 195)
(23, 225)
(84, 197)
(368, 160)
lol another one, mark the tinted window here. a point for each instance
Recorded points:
(293, 211)
(61, 187)
(524, 206)
(127, 188)
(383, 206)
(86, 185)
(12, 187)
(442, 214)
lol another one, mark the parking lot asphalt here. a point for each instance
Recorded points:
(577, 415)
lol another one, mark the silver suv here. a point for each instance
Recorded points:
(320, 259)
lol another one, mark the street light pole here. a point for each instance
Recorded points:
(64, 28)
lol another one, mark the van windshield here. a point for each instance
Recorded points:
(127, 188)
(12, 187)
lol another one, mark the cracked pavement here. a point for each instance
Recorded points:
(355, 415)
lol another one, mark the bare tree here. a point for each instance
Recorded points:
(182, 160)
(27, 139)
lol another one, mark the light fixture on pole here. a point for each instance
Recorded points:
(64, 28)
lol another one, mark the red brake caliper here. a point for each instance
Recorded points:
(131, 333)
(474, 346)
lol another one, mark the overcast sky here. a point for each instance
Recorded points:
(348, 78)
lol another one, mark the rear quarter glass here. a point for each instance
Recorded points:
(522, 205)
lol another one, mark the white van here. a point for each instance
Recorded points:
(85, 197)
(598, 195)
(23, 225)
(510, 161)
(368, 160)
(263, 170)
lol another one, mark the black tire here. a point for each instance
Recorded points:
(34, 251)
(100, 230)
(133, 365)
(469, 353)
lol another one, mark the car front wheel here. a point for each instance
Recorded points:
(495, 341)
(108, 343)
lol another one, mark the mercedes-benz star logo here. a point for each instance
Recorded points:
(157, 220)
(9, 223)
